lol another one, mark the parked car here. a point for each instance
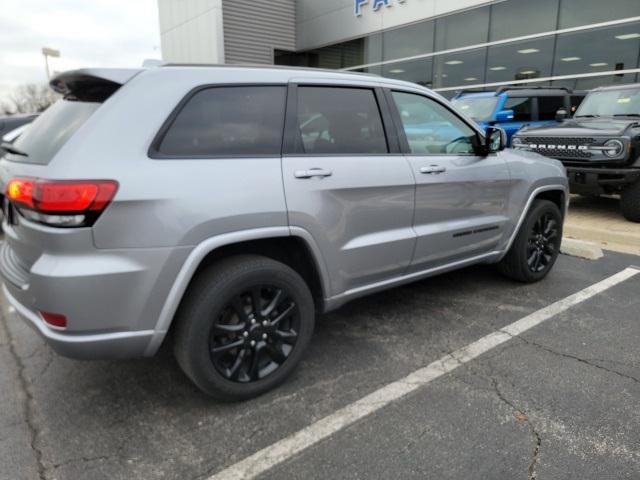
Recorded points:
(238, 201)
(12, 135)
(6, 142)
(511, 108)
(600, 146)
(11, 122)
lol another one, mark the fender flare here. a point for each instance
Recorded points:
(525, 211)
(204, 248)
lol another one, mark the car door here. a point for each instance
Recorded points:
(523, 114)
(461, 197)
(346, 182)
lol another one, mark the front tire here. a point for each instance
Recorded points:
(537, 244)
(630, 202)
(243, 326)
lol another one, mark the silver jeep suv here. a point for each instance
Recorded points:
(222, 207)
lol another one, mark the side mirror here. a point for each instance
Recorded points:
(495, 140)
(504, 116)
(561, 115)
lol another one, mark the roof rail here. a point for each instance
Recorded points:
(268, 67)
(470, 90)
(533, 87)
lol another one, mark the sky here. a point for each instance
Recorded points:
(88, 33)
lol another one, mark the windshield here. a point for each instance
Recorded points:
(611, 102)
(480, 109)
(51, 130)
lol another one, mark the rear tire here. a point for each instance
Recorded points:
(243, 326)
(630, 202)
(536, 246)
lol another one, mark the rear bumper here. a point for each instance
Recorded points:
(89, 347)
(599, 180)
(111, 299)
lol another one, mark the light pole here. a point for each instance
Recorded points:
(49, 52)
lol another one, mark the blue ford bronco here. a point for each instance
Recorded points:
(511, 108)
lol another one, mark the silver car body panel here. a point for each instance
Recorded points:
(121, 281)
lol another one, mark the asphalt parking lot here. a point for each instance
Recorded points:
(561, 400)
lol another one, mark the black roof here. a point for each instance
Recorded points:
(528, 91)
(625, 86)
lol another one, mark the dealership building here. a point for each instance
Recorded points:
(447, 45)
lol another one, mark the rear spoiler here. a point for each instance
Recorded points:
(92, 84)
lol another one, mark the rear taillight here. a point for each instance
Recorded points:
(61, 203)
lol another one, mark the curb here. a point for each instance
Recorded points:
(601, 234)
(581, 249)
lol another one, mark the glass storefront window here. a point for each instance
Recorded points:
(574, 13)
(520, 60)
(591, 51)
(459, 69)
(416, 71)
(462, 29)
(516, 18)
(599, 50)
(408, 41)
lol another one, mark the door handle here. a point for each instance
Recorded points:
(433, 170)
(313, 172)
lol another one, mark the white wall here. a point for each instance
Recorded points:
(322, 22)
(191, 31)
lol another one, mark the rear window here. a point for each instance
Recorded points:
(51, 130)
(228, 121)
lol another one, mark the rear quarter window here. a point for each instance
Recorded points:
(227, 121)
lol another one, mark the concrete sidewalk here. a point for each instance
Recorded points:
(599, 220)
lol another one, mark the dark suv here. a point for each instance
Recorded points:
(600, 146)
(511, 108)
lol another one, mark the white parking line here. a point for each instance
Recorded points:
(288, 447)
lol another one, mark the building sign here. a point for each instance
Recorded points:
(375, 4)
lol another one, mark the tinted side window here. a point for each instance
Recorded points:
(431, 128)
(548, 106)
(339, 121)
(222, 121)
(521, 109)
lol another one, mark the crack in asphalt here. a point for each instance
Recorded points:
(521, 416)
(84, 459)
(29, 402)
(577, 359)
(50, 359)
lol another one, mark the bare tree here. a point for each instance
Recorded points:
(29, 98)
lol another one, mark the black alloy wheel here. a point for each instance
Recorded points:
(254, 334)
(243, 326)
(537, 244)
(541, 246)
